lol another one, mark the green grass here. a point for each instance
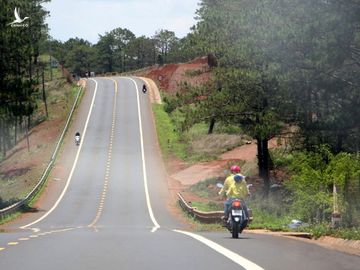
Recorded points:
(195, 144)
(202, 188)
(268, 220)
(169, 139)
(324, 229)
(202, 227)
(208, 207)
(8, 218)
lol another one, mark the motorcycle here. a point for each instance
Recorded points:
(77, 138)
(144, 89)
(238, 217)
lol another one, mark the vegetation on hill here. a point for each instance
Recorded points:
(279, 65)
(274, 65)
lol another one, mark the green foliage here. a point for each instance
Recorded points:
(268, 220)
(208, 206)
(202, 188)
(313, 176)
(324, 229)
(19, 49)
(344, 170)
(164, 41)
(281, 159)
(299, 48)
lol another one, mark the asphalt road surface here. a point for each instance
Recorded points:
(113, 215)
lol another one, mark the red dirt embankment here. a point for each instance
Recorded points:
(168, 77)
(195, 72)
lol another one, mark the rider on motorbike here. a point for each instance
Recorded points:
(77, 138)
(230, 179)
(237, 190)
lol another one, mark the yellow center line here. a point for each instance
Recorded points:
(107, 170)
(13, 243)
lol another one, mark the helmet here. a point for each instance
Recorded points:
(238, 178)
(235, 169)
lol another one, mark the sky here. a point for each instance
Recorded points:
(88, 18)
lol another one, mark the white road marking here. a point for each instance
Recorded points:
(245, 263)
(151, 213)
(74, 165)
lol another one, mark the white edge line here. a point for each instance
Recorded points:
(73, 167)
(151, 213)
(245, 263)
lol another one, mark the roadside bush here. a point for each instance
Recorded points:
(313, 176)
(344, 170)
(312, 199)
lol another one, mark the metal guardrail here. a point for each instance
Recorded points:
(206, 217)
(215, 217)
(16, 206)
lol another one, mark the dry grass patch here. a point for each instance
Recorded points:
(215, 144)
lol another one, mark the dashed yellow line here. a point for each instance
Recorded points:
(33, 236)
(108, 165)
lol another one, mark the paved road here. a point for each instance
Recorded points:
(113, 213)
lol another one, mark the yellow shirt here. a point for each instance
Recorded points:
(227, 183)
(238, 190)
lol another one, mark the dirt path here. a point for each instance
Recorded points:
(201, 171)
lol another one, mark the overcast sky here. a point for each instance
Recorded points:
(88, 18)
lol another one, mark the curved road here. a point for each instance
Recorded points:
(113, 213)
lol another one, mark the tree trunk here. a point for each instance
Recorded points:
(5, 138)
(339, 141)
(27, 134)
(263, 163)
(44, 94)
(2, 138)
(212, 125)
(16, 129)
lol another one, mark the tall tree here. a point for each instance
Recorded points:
(19, 49)
(239, 35)
(164, 42)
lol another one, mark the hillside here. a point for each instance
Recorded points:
(167, 77)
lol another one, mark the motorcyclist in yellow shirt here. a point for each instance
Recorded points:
(230, 179)
(237, 190)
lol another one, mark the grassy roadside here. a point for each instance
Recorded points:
(43, 139)
(195, 144)
(169, 139)
(269, 213)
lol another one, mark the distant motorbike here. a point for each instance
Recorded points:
(77, 138)
(238, 216)
(144, 89)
